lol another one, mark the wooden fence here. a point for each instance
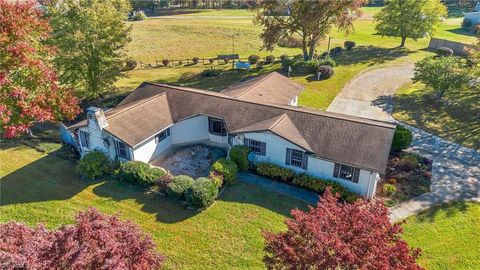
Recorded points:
(205, 61)
(457, 47)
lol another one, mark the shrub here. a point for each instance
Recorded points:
(163, 181)
(392, 181)
(138, 172)
(210, 72)
(275, 172)
(402, 138)
(270, 59)
(195, 60)
(227, 168)
(467, 23)
(326, 72)
(179, 185)
(211, 60)
(94, 241)
(290, 42)
(349, 45)
(283, 57)
(389, 189)
(444, 51)
(253, 59)
(239, 155)
(202, 194)
(130, 64)
(93, 165)
(216, 178)
(409, 162)
(327, 62)
(139, 16)
(68, 153)
(336, 50)
(165, 62)
(319, 185)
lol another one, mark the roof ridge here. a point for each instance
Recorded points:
(278, 121)
(299, 109)
(136, 105)
(257, 83)
(295, 126)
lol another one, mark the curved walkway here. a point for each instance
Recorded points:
(455, 169)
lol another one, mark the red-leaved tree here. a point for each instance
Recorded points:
(29, 89)
(95, 241)
(335, 235)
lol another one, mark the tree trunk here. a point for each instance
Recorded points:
(305, 49)
(311, 50)
(403, 42)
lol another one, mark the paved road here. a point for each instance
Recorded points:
(370, 94)
(198, 17)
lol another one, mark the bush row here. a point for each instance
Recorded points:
(96, 164)
(310, 66)
(303, 180)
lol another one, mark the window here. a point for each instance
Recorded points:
(122, 150)
(216, 126)
(256, 147)
(346, 172)
(296, 158)
(162, 135)
(84, 139)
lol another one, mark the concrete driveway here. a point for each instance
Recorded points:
(370, 94)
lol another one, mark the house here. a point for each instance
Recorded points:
(260, 113)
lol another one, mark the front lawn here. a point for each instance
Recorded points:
(448, 235)
(456, 117)
(36, 188)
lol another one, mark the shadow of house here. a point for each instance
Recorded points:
(46, 179)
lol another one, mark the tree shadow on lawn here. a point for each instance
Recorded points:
(450, 210)
(370, 55)
(461, 31)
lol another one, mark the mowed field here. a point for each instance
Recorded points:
(207, 34)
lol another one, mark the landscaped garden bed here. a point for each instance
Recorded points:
(407, 176)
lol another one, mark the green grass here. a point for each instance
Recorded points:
(39, 188)
(453, 117)
(157, 39)
(448, 235)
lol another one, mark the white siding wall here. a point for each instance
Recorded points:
(149, 149)
(190, 130)
(276, 153)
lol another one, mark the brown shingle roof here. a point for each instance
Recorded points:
(272, 88)
(356, 141)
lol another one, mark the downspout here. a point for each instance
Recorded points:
(368, 187)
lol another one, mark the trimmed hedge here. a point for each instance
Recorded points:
(93, 165)
(304, 180)
(138, 172)
(269, 59)
(253, 59)
(179, 185)
(275, 172)
(402, 138)
(202, 193)
(227, 168)
(349, 45)
(239, 155)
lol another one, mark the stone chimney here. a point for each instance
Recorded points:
(96, 118)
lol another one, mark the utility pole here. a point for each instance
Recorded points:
(328, 49)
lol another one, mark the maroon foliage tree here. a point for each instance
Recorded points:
(337, 235)
(95, 241)
(29, 89)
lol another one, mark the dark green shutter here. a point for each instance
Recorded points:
(305, 161)
(356, 174)
(263, 148)
(336, 170)
(288, 156)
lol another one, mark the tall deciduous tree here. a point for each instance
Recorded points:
(95, 241)
(409, 18)
(29, 89)
(335, 235)
(311, 20)
(442, 74)
(91, 36)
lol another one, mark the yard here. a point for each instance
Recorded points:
(192, 35)
(40, 188)
(455, 118)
